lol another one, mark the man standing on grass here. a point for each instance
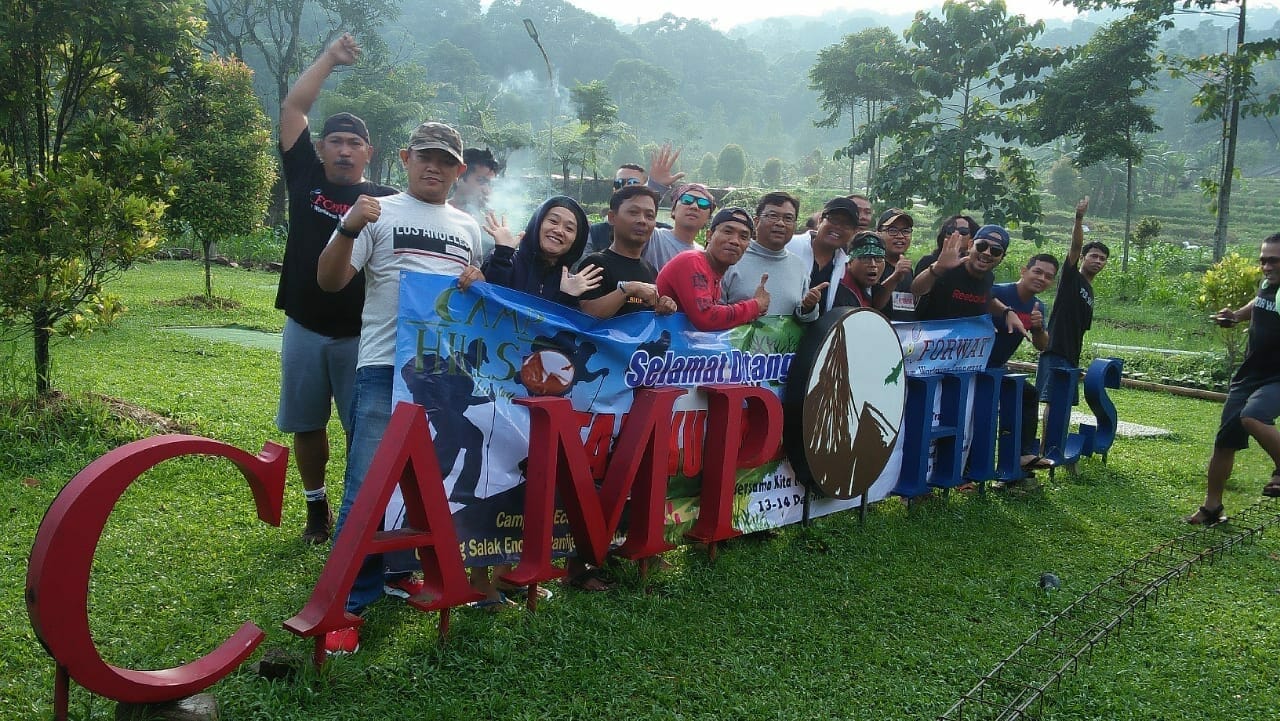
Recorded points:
(627, 284)
(1034, 278)
(895, 292)
(1253, 401)
(471, 192)
(414, 230)
(1072, 310)
(321, 330)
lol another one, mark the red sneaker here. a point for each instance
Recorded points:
(403, 586)
(342, 642)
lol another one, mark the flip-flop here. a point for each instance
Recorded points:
(1272, 489)
(1038, 462)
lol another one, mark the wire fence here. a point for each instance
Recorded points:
(1018, 685)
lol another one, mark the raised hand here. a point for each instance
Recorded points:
(762, 295)
(660, 164)
(813, 297)
(577, 284)
(1082, 207)
(497, 229)
(1037, 319)
(952, 254)
(903, 267)
(344, 50)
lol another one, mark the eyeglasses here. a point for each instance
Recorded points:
(986, 246)
(949, 229)
(773, 217)
(619, 182)
(701, 202)
(897, 232)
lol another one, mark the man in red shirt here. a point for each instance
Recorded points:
(693, 277)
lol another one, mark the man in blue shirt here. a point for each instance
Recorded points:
(1034, 278)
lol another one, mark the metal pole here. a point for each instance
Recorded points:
(551, 83)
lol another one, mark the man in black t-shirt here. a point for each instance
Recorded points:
(1072, 313)
(322, 330)
(627, 284)
(959, 286)
(1253, 402)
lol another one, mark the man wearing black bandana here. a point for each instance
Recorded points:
(322, 330)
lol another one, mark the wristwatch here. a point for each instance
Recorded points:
(342, 230)
(621, 289)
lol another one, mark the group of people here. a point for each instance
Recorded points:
(349, 239)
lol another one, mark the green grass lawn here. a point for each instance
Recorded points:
(891, 620)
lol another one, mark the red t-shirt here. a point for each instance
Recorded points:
(689, 280)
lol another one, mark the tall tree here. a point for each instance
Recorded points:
(959, 140)
(82, 170)
(849, 77)
(224, 140)
(1228, 90)
(274, 29)
(596, 110)
(1096, 100)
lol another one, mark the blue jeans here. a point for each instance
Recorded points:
(370, 414)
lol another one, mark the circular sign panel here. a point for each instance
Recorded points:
(844, 402)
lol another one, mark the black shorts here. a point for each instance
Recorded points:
(1247, 400)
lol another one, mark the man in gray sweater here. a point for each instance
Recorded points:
(788, 282)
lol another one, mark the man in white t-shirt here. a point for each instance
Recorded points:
(414, 230)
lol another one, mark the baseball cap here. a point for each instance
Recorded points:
(345, 123)
(893, 215)
(739, 215)
(866, 244)
(993, 233)
(437, 136)
(841, 204)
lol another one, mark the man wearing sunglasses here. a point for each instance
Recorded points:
(659, 181)
(958, 285)
(1253, 402)
(690, 211)
(1072, 309)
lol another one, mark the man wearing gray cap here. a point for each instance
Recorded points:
(414, 230)
(321, 330)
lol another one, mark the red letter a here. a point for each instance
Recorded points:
(730, 447)
(557, 459)
(408, 457)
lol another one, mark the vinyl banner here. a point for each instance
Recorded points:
(464, 355)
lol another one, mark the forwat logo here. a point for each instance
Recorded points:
(847, 392)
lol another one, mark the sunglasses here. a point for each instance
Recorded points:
(701, 202)
(948, 230)
(619, 182)
(986, 246)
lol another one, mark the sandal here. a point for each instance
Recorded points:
(1205, 516)
(592, 580)
(1035, 462)
(1272, 489)
(520, 593)
(492, 605)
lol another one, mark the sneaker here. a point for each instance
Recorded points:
(342, 642)
(403, 586)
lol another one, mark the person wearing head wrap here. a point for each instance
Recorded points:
(538, 260)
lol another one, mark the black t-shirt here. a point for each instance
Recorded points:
(315, 206)
(1072, 315)
(956, 294)
(1262, 357)
(618, 268)
(902, 304)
